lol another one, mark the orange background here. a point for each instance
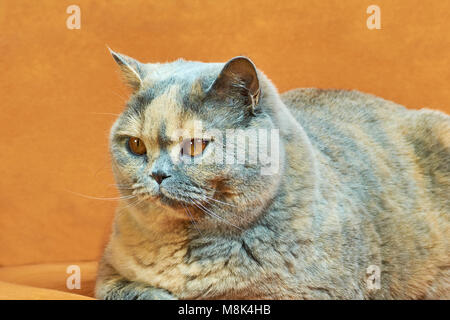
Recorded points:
(57, 84)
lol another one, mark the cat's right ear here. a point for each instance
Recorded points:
(132, 70)
(238, 81)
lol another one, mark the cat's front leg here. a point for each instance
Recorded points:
(129, 290)
(112, 286)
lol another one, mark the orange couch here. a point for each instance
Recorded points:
(46, 281)
(60, 92)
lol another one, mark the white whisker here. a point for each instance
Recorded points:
(218, 201)
(105, 113)
(186, 209)
(101, 198)
(209, 212)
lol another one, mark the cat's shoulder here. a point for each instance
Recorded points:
(307, 97)
(334, 105)
(310, 105)
(354, 105)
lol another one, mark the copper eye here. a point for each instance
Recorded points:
(137, 146)
(193, 147)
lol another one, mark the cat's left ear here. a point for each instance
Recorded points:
(132, 70)
(238, 81)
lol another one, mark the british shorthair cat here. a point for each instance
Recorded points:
(231, 190)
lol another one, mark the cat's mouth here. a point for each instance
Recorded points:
(165, 199)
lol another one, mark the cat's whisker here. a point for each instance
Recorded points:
(120, 96)
(101, 198)
(105, 113)
(213, 216)
(125, 188)
(122, 211)
(119, 185)
(194, 223)
(203, 188)
(215, 204)
(122, 186)
(211, 213)
(279, 235)
(214, 190)
(218, 201)
(134, 204)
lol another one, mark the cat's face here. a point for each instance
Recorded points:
(175, 144)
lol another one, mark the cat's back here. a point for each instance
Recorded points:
(325, 111)
(393, 165)
(360, 131)
(339, 105)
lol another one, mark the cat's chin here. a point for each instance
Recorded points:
(169, 202)
(163, 199)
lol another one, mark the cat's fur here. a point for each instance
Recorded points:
(363, 182)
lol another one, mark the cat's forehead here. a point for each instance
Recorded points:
(164, 114)
(166, 104)
(182, 71)
(177, 82)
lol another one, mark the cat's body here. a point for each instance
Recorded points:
(363, 183)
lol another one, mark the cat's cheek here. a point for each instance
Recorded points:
(120, 156)
(208, 158)
(175, 155)
(153, 189)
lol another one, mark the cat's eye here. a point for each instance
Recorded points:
(193, 147)
(137, 146)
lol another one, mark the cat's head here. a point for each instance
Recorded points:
(197, 139)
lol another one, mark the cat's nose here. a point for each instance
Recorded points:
(159, 176)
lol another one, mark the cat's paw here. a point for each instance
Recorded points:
(128, 290)
(155, 294)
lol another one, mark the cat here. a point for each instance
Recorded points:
(356, 208)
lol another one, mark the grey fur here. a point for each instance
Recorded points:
(363, 182)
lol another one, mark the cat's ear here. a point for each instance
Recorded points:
(238, 80)
(132, 70)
